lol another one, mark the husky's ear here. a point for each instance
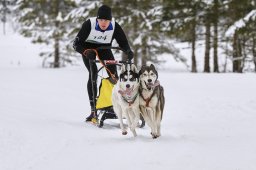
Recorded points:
(152, 67)
(142, 69)
(134, 68)
(122, 68)
(154, 70)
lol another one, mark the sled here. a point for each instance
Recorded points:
(103, 105)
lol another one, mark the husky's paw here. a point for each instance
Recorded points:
(154, 136)
(124, 133)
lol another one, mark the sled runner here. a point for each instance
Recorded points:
(103, 104)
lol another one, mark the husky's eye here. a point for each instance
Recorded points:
(152, 74)
(144, 74)
(123, 79)
(132, 79)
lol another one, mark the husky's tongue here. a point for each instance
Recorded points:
(127, 91)
(152, 85)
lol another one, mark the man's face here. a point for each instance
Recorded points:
(103, 23)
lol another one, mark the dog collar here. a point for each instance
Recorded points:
(147, 100)
(157, 83)
(132, 101)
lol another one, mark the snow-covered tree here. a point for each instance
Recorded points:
(183, 20)
(44, 22)
(83, 11)
(4, 11)
(241, 34)
(141, 21)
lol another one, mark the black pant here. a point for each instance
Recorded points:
(105, 54)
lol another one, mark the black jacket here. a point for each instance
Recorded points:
(80, 45)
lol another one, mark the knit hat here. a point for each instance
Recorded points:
(104, 12)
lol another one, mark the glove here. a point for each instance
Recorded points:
(90, 54)
(129, 54)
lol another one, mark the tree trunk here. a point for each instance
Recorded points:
(236, 54)
(215, 39)
(235, 67)
(254, 52)
(136, 56)
(193, 69)
(239, 43)
(4, 28)
(226, 57)
(4, 13)
(207, 45)
(244, 55)
(56, 53)
(144, 52)
(56, 36)
(135, 30)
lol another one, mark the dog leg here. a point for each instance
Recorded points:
(158, 129)
(118, 111)
(158, 123)
(129, 117)
(124, 131)
(147, 117)
(158, 120)
(135, 117)
(154, 122)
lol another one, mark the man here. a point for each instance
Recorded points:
(99, 32)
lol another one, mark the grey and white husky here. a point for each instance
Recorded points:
(151, 99)
(125, 97)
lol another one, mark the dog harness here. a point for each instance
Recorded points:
(132, 101)
(125, 92)
(147, 100)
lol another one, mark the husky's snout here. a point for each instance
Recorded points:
(128, 86)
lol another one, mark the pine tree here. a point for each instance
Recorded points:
(44, 22)
(215, 36)
(136, 18)
(83, 11)
(185, 22)
(4, 11)
(241, 35)
(207, 22)
(142, 22)
(78, 15)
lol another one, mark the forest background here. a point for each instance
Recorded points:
(225, 29)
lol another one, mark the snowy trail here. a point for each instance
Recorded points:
(205, 125)
(209, 120)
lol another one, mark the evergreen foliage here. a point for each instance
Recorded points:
(151, 27)
(43, 21)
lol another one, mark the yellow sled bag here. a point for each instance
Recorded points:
(105, 94)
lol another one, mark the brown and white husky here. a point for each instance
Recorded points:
(151, 99)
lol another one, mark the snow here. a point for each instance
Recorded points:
(240, 23)
(209, 120)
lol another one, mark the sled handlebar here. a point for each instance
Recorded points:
(107, 62)
(111, 62)
(108, 47)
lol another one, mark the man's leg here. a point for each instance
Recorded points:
(91, 87)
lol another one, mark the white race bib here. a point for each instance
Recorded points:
(98, 37)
